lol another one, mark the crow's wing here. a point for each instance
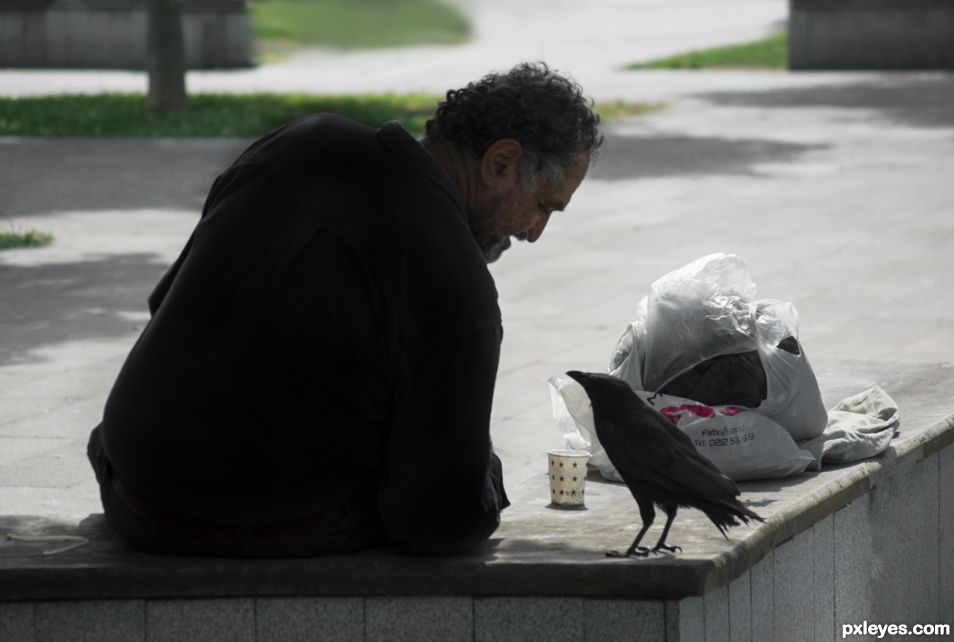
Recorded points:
(645, 451)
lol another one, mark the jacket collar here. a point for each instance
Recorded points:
(415, 157)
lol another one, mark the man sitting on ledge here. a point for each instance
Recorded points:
(318, 371)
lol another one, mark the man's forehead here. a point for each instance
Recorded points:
(558, 197)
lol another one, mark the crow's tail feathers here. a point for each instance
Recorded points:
(723, 513)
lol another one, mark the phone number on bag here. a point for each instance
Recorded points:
(725, 441)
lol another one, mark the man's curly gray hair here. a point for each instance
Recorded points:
(541, 109)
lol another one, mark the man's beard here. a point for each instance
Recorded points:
(497, 241)
(495, 247)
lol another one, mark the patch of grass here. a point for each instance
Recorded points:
(208, 115)
(769, 53)
(13, 239)
(219, 115)
(616, 109)
(352, 24)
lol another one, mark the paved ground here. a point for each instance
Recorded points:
(836, 187)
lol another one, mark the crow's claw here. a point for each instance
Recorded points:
(640, 551)
(663, 547)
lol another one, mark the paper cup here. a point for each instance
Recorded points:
(567, 470)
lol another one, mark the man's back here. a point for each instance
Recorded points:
(330, 300)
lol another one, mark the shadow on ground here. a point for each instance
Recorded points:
(903, 99)
(90, 299)
(39, 176)
(633, 157)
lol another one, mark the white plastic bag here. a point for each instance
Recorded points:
(695, 313)
(626, 360)
(742, 443)
(794, 399)
(574, 417)
(705, 310)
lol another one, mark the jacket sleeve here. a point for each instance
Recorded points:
(444, 487)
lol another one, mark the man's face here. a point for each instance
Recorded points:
(511, 212)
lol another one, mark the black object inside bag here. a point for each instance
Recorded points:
(727, 379)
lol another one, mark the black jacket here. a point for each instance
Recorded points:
(330, 328)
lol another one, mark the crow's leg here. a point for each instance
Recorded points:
(661, 544)
(634, 548)
(647, 513)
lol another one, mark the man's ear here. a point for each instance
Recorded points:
(500, 166)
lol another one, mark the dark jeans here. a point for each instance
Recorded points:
(145, 530)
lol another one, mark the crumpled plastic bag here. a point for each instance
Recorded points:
(697, 312)
(708, 309)
(741, 442)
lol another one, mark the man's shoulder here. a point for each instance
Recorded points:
(312, 138)
(334, 131)
(329, 124)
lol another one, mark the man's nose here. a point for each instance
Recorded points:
(536, 231)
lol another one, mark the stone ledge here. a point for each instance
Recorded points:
(537, 551)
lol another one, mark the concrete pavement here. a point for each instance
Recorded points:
(836, 187)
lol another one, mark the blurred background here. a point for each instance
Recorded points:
(816, 139)
(333, 47)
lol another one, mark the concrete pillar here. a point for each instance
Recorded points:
(871, 34)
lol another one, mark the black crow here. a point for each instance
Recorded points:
(657, 461)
